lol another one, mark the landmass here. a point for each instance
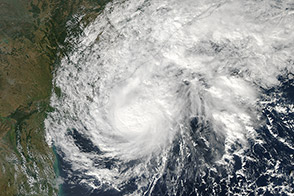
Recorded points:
(32, 42)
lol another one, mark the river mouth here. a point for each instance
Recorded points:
(157, 95)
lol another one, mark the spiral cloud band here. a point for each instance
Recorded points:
(157, 89)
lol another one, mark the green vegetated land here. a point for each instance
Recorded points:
(32, 41)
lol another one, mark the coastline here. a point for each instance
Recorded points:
(32, 42)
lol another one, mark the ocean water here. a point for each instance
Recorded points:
(178, 98)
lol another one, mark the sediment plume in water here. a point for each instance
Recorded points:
(166, 92)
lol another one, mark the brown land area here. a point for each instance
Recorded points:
(32, 34)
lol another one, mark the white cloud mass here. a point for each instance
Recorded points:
(144, 69)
